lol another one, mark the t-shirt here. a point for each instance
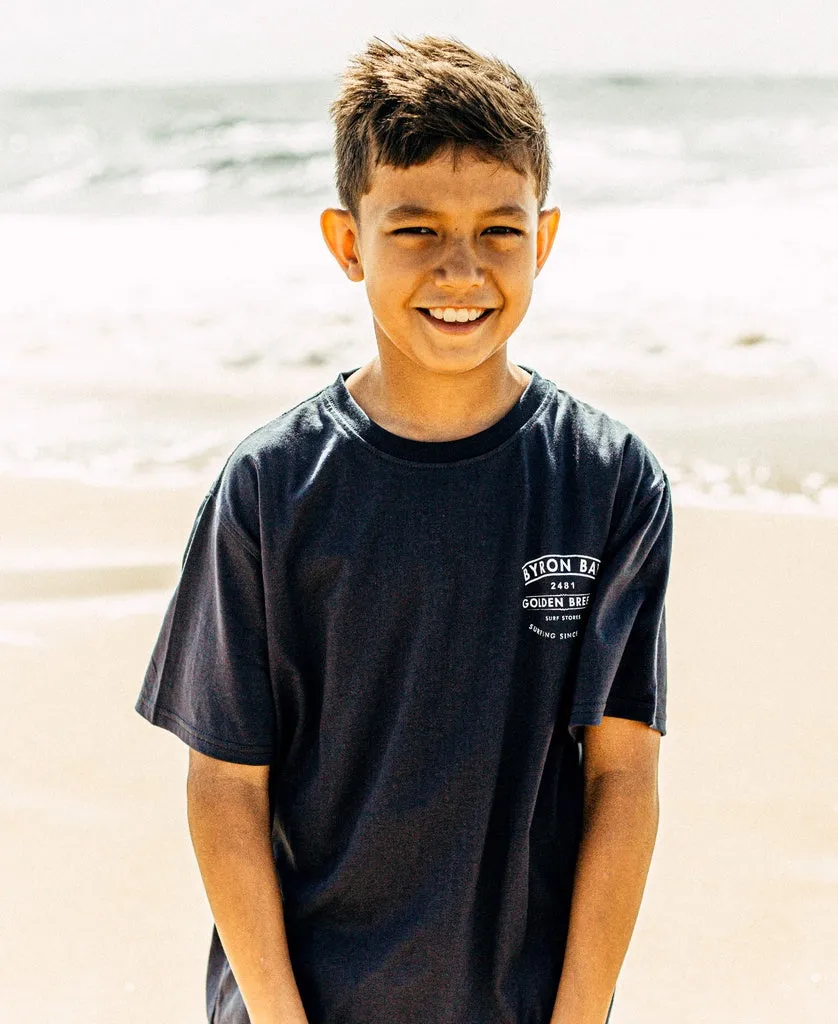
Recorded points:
(412, 634)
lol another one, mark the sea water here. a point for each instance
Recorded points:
(165, 288)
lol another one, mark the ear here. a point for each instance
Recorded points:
(548, 223)
(341, 234)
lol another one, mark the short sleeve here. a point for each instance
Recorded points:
(208, 680)
(622, 661)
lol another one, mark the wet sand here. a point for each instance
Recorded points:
(104, 913)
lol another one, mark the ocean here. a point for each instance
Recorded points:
(166, 289)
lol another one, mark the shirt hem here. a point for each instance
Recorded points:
(592, 713)
(198, 741)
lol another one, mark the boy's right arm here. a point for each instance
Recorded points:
(229, 822)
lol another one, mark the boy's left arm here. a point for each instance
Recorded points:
(620, 760)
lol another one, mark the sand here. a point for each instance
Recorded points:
(104, 916)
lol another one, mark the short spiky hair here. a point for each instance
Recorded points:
(400, 107)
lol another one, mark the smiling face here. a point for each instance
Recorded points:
(479, 244)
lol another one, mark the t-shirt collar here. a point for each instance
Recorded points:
(457, 450)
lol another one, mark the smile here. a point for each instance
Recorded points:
(456, 326)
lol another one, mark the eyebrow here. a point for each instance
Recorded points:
(409, 210)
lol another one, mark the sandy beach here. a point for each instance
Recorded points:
(105, 916)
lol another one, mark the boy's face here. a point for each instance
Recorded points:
(458, 254)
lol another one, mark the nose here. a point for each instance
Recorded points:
(459, 265)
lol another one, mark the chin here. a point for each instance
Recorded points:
(448, 355)
(453, 360)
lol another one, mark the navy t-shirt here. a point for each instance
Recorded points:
(411, 633)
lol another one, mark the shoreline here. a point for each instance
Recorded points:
(702, 485)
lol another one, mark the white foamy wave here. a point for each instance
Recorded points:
(746, 486)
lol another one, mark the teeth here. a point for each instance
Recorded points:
(455, 315)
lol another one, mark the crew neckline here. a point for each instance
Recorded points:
(410, 449)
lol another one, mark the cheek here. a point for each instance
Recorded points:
(393, 273)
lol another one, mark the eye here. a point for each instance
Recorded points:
(497, 227)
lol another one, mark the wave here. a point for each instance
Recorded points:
(615, 139)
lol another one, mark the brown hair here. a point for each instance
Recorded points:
(400, 107)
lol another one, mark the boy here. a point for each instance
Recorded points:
(418, 645)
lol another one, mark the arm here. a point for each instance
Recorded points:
(228, 812)
(619, 832)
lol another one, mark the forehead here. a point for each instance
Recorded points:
(476, 186)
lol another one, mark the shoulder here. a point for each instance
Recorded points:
(267, 464)
(602, 444)
(605, 467)
(619, 481)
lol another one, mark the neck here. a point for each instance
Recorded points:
(414, 402)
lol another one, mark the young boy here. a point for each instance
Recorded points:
(418, 644)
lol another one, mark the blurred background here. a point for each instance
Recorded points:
(165, 289)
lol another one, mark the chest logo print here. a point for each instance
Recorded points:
(558, 590)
